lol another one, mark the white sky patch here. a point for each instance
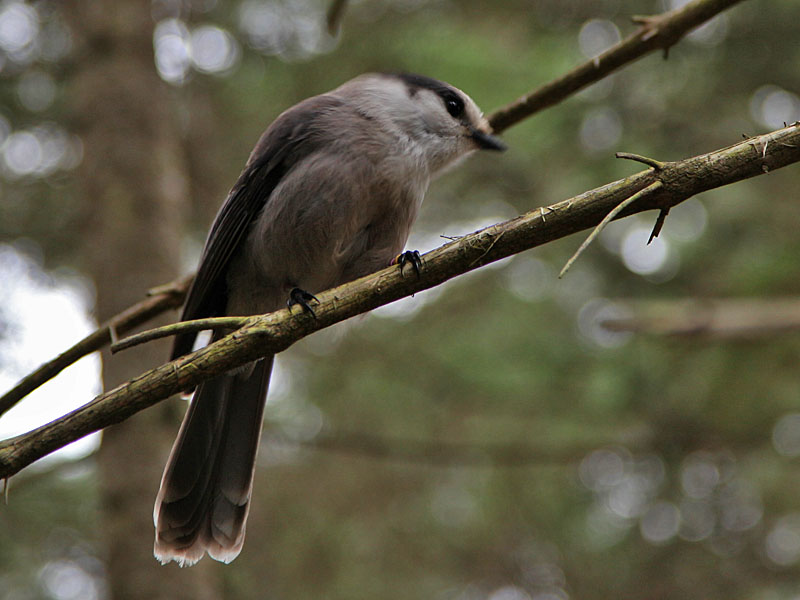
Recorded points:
(19, 26)
(773, 106)
(42, 316)
(213, 50)
(207, 48)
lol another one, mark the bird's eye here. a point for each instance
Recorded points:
(453, 104)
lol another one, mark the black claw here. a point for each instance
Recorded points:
(302, 297)
(412, 257)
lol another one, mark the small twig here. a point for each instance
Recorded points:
(182, 327)
(608, 218)
(650, 162)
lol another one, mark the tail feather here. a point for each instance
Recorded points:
(204, 498)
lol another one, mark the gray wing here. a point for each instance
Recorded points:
(292, 136)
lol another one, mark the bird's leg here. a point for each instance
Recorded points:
(411, 257)
(302, 297)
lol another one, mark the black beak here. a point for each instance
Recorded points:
(487, 141)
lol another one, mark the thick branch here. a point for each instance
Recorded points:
(659, 32)
(161, 299)
(275, 332)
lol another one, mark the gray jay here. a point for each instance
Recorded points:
(328, 195)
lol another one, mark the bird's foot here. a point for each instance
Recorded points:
(411, 257)
(303, 298)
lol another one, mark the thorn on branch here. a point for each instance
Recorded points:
(651, 27)
(648, 22)
(662, 216)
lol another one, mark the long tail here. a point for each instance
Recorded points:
(204, 498)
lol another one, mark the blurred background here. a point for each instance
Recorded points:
(487, 439)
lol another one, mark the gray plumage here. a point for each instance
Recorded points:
(328, 194)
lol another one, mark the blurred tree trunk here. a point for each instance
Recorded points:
(133, 181)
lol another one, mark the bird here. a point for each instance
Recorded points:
(328, 194)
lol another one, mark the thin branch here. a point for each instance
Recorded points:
(713, 319)
(163, 298)
(650, 189)
(180, 327)
(645, 160)
(272, 333)
(657, 32)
